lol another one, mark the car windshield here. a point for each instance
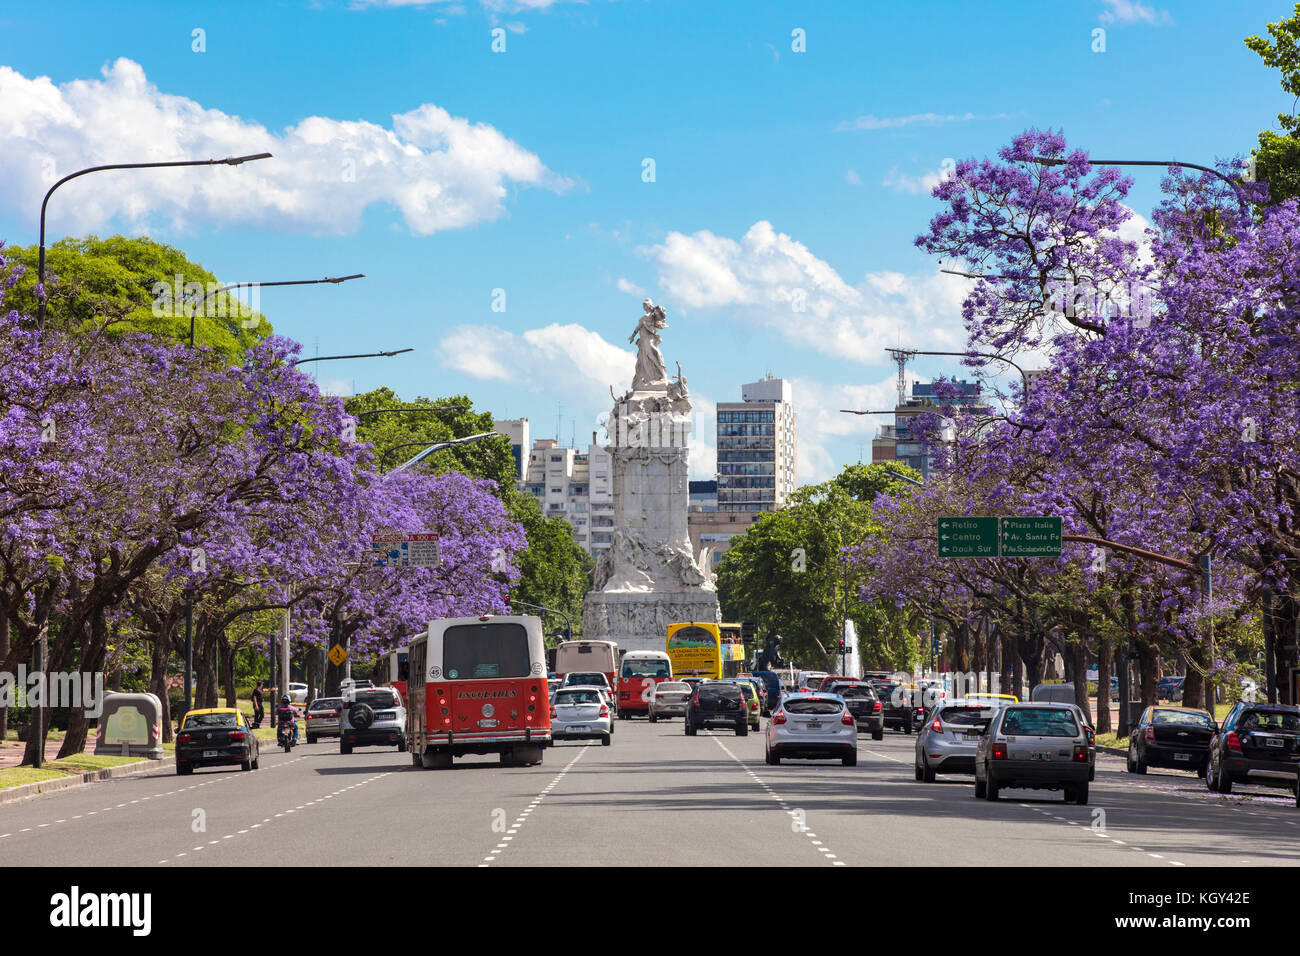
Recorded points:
(967, 716)
(1040, 722)
(672, 687)
(646, 668)
(1269, 721)
(577, 697)
(1183, 718)
(813, 706)
(210, 720)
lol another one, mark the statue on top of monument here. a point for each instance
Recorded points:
(650, 368)
(678, 394)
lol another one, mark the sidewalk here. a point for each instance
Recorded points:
(11, 751)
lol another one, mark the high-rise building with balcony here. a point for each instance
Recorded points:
(756, 447)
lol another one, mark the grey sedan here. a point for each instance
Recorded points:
(669, 700)
(323, 718)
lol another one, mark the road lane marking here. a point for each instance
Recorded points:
(807, 831)
(494, 854)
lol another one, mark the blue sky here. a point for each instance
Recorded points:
(408, 150)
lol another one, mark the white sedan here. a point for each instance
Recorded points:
(297, 693)
(581, 713)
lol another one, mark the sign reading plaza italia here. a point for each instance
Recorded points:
(1036, 536)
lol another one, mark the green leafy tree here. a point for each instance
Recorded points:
(554, 571)
(132, 285)
(1277, 158)
(787, 572)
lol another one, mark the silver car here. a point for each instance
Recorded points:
(669, 700)
(323, 718)
(813, 725)
(1038, 746)
(946, 743)
(581, 713)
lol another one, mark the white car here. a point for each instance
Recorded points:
(297, 693)
(581, 712)
(813, 725)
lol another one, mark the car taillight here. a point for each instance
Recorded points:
(1149, 734)
(1081, 752)
(778, 717)
(552, 713)
(1090, 734)
(846, 719)
(937, 726)
(604, 711)
(1234, 742)
(311, 716)
(876, 707)
(237, 735)
(183, 738)
(999, 751)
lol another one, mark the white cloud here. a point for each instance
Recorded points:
(871, 122)
(821, 424)
(440, 171)
(917, 185)
(480, 351)
(852, 178)
(336, 386)
(1133, 11)
(777, 283)
(631, 288)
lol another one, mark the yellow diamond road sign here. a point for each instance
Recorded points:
(337, 655)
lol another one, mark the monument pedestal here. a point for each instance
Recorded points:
(638, 620)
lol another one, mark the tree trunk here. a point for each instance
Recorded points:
(162, 647)
(1079, 664)
(1103, 724)
(4, 652)
(228, 671)
(94, 651)
(1149, 677)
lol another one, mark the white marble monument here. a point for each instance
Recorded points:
(649, 578)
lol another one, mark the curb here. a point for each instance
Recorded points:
(29, 790)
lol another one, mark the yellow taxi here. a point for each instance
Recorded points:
(214, 736)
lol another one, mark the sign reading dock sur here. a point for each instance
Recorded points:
(1036, 537)
(404, 550)
(968, 537)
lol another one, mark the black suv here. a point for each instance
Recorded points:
(897, 704)
(1258, 743)
(717, 705)
(861, 700)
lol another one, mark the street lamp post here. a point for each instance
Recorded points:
(40, 271)
(194, 310)
(568, 629)
(1236, 186)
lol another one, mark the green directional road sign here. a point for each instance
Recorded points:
(1035, 537)
(968, 537)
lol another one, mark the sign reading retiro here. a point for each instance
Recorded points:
(648, 578)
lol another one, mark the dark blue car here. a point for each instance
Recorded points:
(772, 681)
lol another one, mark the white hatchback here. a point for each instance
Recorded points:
(813, 725)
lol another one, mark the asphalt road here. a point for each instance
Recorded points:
(655, 797)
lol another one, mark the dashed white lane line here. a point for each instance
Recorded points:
(1102, 834)
(495, 854)
(797, 821)
(254, 826)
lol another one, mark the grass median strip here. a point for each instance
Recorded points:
(63, 767)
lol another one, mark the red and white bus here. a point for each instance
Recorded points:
(638, 674)
(392, 669)
(477, 685)
(587, 657)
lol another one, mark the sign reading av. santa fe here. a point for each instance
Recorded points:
(1034, 536)
(405, 551)
(1037, 536)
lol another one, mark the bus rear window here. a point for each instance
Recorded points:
(485, 651)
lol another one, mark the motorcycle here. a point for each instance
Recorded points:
(284, 736)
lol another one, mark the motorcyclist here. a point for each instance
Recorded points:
(285, 715)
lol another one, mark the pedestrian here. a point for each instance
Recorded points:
(258, 711)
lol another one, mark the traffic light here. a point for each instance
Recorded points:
(748, 631)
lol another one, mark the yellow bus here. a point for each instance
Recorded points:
(705, 649)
